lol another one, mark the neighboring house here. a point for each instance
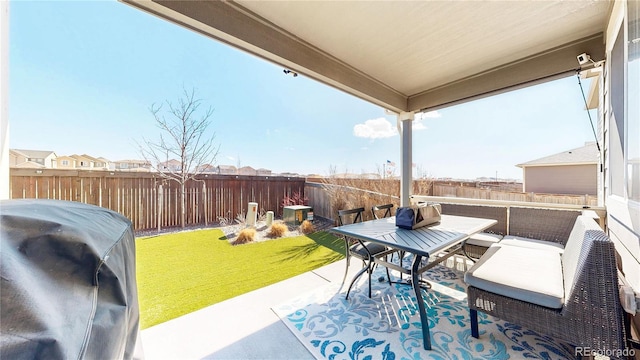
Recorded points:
(226, 170)
(172, 165)
(132, 165)
(288, 174)
(206, 168)
(83, 162)
(247, 170)
(28, 158)
(263, 172)
(105, 164)
(570, 172)
(66, 162)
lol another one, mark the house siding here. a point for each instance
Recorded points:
(566, 179)
(623, 213)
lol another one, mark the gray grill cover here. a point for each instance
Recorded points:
(68, 282)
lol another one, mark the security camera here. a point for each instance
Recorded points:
(289, 72)
(583, 58)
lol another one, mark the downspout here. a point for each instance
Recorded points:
(4, 100)
(405, 122)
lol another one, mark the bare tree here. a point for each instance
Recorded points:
(183, 138)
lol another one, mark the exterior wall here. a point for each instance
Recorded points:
(50, 161)
(82, 162)
(623, 213)
(4, 100)
(227, 170)
(247, 170)
(566, 179)
(132, 166)
(171, 165)
(70, 162)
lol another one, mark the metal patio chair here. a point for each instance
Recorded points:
(377, 208)
(367, 252)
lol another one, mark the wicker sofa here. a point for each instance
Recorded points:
(564, 289)
(515, 223)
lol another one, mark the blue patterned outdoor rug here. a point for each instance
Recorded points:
(388, 327)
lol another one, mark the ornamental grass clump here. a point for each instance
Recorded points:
(245, 236)
(277, 230)
(307, 227)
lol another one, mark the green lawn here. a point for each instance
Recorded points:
(183, 272)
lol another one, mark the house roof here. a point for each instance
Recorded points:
(587, 154)
(35, 154)
(171, 162)
(144, 162)
(29, 165)
(406, 55)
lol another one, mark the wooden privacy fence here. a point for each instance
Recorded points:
(489, 194)
(150, 201)
(323, 200)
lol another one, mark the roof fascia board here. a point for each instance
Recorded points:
(549, 65)
(558, 164)
(230, 23)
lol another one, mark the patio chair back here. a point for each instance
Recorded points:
(387, 210)
(350, 216)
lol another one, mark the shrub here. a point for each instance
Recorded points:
(245, 236)
(295, 199)
(307, 227)
(277, 230)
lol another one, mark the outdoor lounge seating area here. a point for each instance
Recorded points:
(516, 223)
(567, 292)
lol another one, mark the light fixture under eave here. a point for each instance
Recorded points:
(289, 72)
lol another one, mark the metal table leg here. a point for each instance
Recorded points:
(415, 274)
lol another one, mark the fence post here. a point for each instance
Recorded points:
(204, 202)
(159, 212)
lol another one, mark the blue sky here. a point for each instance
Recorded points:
(83, 75)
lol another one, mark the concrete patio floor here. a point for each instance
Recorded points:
(243, 327)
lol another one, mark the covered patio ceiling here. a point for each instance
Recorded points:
(406, 56)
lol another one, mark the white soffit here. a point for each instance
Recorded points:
(406, 55)
(415, 46)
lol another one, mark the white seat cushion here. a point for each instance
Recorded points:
(531, 243)
(483, 239)
(530, 275)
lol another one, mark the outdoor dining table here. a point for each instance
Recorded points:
(447, 234)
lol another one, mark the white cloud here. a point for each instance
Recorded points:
(418, 121)
(380, 128)
(418, 125)
(375, 129)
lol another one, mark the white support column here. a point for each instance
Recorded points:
(405, 122)
(4, 100)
